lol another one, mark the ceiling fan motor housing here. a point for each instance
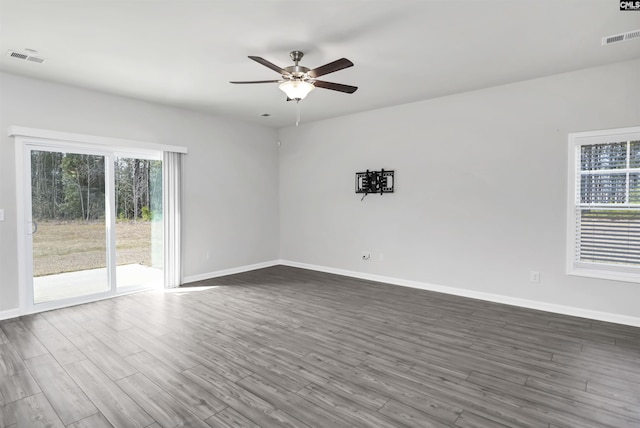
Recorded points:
(296, 56)
(297, 71)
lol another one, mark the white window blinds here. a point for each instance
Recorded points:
(609, 237)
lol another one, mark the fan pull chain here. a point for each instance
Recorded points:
(297, 112)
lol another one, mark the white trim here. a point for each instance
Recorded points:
(570, 249)
(600, 133)
(489, 297)
(611, 275)
(496, 298)
(112, 143)
(21, 227)
(231, 271)
(10, 313)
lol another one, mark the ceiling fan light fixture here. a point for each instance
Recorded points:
(296, 89)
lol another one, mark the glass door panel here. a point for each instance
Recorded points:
(69, 241)
(139, 226)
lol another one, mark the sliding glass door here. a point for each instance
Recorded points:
(95, 223)
(138, 225)
(68, 225)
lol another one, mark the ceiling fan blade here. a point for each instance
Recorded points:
(336, 65)
(257, 81)
(270, 65)
(335, 86)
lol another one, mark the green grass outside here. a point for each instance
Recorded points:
(76, 245)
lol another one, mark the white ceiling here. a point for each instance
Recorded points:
(185, 52)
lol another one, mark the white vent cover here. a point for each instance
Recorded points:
(620, 37)
(20, 55)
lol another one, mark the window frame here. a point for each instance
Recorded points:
(574, 267)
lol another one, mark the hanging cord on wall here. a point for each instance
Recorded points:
(363, 196)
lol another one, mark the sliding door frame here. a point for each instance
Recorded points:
(28, 139)
(28, 222)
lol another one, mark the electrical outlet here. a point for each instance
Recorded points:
(534, 276)
(366, 255)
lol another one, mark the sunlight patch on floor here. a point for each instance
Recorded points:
(187, 290)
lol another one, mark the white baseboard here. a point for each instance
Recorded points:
(10, 313)
(225, 272)
(496, 298)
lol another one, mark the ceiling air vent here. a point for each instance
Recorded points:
(20, 55)
(620, 37)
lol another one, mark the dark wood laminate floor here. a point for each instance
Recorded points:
(285, 347)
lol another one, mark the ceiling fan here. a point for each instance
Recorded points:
(297, 81)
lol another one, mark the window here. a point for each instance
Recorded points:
(604, 204)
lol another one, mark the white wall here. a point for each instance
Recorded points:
(230, 173)
(480, 197)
